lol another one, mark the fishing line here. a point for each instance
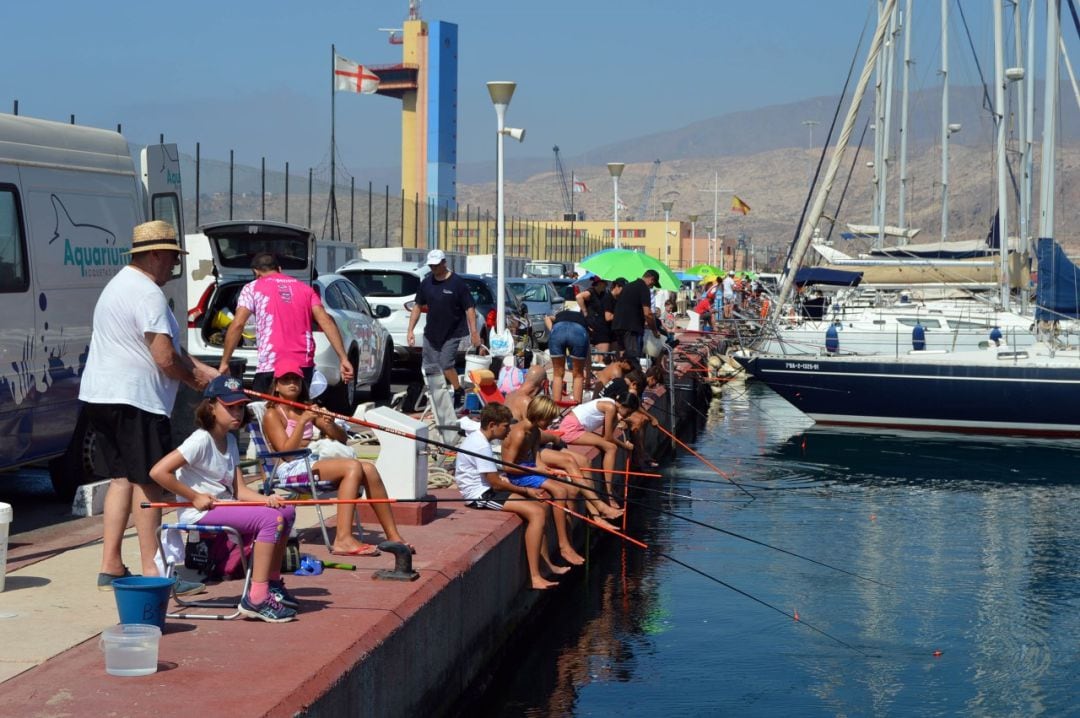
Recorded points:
(763, 602)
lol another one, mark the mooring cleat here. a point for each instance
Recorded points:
(403, 570)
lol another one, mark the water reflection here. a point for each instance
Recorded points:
(978, 541)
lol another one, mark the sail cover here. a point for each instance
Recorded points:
(1058, 292)
(831, 277)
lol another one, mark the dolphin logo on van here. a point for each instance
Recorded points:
(79, 234)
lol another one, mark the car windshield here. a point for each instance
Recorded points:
(530, 292)
(385, 284)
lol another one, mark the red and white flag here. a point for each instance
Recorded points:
(580, 186)
(353, 77)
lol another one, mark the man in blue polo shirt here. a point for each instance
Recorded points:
(451, 316)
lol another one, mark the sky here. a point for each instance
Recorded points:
(254, 77)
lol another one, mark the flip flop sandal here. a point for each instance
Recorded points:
(365, 549)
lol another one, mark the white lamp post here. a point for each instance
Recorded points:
(616, 168)
(667, 205)
(693, 240)
(501, 92)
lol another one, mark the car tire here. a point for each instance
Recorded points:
(75, 467)
(380, 390)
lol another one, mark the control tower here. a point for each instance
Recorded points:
(426, 82)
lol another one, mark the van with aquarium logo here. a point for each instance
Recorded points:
(69, 199)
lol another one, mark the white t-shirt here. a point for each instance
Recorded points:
(589, 414)
(469, 470)
(208, 470)
(729, 287)
(120, 368)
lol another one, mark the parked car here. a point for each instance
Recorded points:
(367, 343)
(394, 284)
(541, 299)
(484, 288)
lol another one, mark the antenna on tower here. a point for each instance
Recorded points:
(414, 9)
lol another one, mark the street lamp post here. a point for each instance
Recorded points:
(616, 168)
(693, 239)
(667, 205)
(810, 157)
(501, 92)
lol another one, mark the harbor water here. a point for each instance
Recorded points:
(961, 594)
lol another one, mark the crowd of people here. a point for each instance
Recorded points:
(136, 363)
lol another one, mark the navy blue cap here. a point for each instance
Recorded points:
(226, 389)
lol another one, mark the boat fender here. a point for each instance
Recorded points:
(995, 336)
(832, 339)
(918, 337)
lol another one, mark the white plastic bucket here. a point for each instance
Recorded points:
(475, 361)
(5, 521)
(131, 649)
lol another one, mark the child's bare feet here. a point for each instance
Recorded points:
(609, 513)
(571, 556)
(539, 583)
(558, 570)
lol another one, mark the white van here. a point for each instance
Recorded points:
(69, 199)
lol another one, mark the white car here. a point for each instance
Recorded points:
(367, 343)
(394, 285)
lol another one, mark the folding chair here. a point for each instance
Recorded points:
(298, 486)
(219, 603)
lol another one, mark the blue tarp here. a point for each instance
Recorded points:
(831, 277)
(1057, 295)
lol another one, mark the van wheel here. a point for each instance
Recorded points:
(380, 390)
(75, 467)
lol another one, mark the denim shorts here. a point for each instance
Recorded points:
(569, 337)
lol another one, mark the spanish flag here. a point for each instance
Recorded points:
(737, 205)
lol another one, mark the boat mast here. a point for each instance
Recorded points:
(1002, 166)
(798, 251)
(1050, 83)
(879, 122)
(944, 120)
(883, 185)
(1024, 131)
(905, 28)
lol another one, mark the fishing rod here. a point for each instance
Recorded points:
(530, 470)
(705, 461)
(794, 616)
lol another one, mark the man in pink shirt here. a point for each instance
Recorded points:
(284, 308)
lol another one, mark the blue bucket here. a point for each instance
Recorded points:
(143, 599)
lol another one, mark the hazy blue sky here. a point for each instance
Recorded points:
(254, 76)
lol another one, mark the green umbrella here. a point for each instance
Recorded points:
(615, 263)
(705, 269)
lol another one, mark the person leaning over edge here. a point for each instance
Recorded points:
(451, 315)
(284, 308)
(133, 370)
(633, 313)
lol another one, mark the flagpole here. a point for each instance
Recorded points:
(333, 148)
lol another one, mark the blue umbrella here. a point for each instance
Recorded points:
(684, 277)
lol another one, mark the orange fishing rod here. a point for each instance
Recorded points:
(705, 461)
(284, 502)
(597, 524)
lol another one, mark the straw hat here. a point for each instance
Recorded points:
(149, 236)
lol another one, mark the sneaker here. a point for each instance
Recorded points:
(187, 588)
(269, 610)
(282, 595)
(104, 580)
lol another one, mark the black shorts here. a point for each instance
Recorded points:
(491, 499)
(631, 344)
(127, 441)
(264, 381)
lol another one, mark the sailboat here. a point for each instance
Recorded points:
(1002, 389)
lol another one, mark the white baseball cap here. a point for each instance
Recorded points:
(435, 256)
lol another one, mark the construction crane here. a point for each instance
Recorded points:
(564, 185)
(643, 212)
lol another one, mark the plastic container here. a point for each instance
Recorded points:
(142, 599)
(131, 649)
(6, 515)
(475, 361)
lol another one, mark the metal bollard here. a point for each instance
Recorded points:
(403, 570)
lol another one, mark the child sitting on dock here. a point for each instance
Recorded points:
(477, 477)
(205, 471)
(603, 413)
(287, 428)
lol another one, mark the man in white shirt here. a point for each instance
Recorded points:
(729, 294)
(134, 368)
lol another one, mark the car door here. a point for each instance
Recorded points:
(346, 316)
(369, 333)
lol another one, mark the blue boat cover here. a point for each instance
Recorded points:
(1057, 295)
(831, 277)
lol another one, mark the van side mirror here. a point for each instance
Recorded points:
(382, 311)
